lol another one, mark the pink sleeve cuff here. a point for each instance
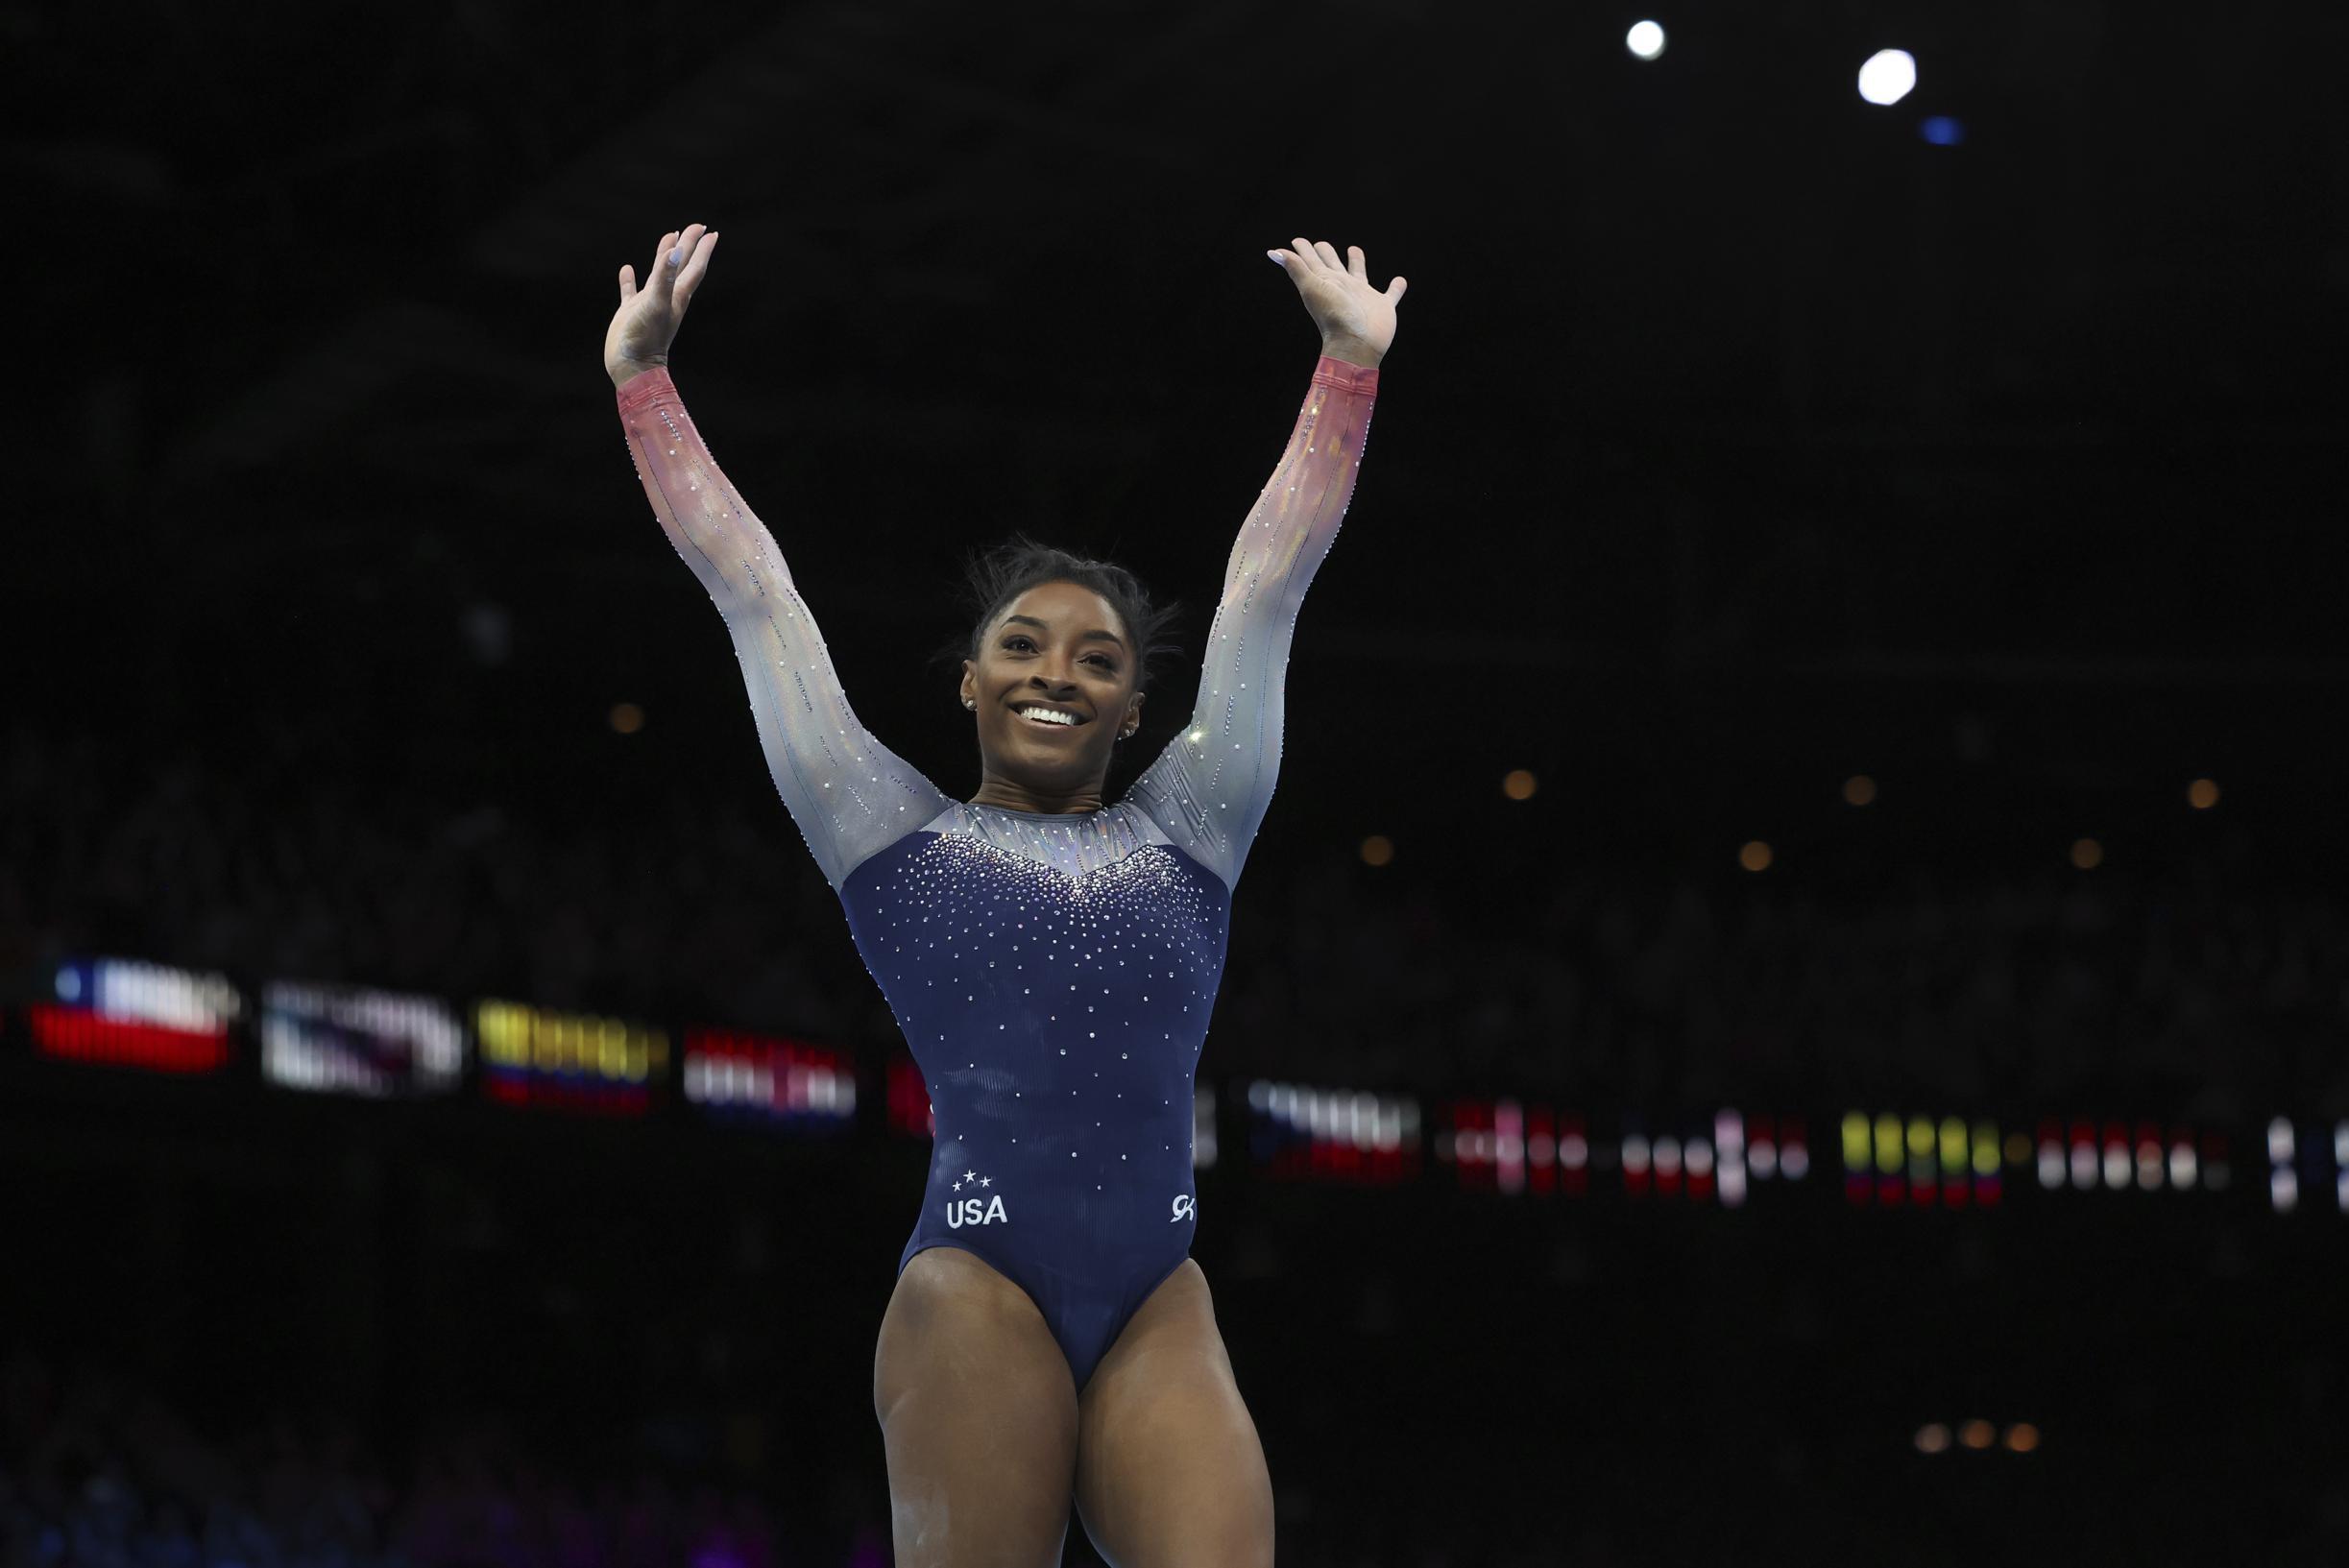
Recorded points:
(644, 388)
(1338, 375)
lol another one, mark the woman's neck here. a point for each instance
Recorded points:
(1008, 797)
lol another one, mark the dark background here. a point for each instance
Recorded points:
(1735, 440)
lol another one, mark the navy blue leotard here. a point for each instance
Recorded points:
(1053, 974)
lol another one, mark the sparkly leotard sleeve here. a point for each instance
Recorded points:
(1208, 791)
(850, 794)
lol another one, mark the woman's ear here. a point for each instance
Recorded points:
(970, 684)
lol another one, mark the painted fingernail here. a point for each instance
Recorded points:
(1276, 256)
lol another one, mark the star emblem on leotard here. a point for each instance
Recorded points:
(971, 1178)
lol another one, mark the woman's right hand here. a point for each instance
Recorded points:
(648, 317)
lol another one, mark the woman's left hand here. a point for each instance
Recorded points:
(1350, 313)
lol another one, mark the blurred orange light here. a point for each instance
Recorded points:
(1377, 850)
(2087, 854)
(1932, 1438)
(1859, 790)
(2202, 794)
(2023, 1437)
(1977, 1433)
(1754, 856)
(1518, 784)
(627, 718)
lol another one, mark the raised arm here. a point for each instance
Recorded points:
(1208, 791)
(851, 795)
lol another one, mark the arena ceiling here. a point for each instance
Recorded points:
(1707, 366)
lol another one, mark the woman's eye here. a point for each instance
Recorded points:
(1103, 659)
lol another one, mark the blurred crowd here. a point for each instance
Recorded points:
(98, 1469)
(101, 1471)
(2204, 991)
(262, 863)
(2040, 993)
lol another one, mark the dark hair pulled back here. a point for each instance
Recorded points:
(995, 577)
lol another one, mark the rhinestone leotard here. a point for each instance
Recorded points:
(1053, 974)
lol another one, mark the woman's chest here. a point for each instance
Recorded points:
(954, 922)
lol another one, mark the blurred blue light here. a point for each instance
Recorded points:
(1942, 130)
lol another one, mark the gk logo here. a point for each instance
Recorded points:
(1183, 1209)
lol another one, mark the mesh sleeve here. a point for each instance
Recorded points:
(1208, 791)
(851, 795)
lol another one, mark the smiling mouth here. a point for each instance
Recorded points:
(1069, 723)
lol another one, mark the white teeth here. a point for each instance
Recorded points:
(1046, 716)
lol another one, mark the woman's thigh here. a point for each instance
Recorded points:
(978, 1417)
(1169, 1472)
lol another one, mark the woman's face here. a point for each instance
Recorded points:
(1057, 646)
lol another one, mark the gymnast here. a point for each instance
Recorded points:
(1048, 1339)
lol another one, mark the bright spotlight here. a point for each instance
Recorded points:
(1888, 76)
(1646, 39)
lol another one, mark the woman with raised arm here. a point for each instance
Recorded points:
(1052, 962)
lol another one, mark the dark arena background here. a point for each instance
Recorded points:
(1789, 1006)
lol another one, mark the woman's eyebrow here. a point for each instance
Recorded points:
(1030, 620)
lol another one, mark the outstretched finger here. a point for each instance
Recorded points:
(1394, 290)
(690, 278)
(1329, 254)
(665, 282)
(660, 259)
(1357, 264)
(673, 261)
(1305, 251)
(627, 282)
